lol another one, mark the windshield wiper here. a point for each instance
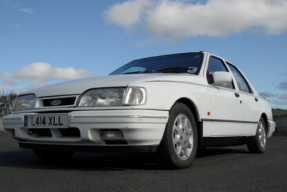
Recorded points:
(172, 69)
(134, 72)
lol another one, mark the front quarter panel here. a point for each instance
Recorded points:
(162, 94)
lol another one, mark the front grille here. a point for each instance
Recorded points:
(64, 101)
(59, 133)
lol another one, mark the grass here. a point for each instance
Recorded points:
(278, 112)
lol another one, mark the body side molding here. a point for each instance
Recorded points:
(229, 121)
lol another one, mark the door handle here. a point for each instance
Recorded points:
(237, 94)
(256, 99)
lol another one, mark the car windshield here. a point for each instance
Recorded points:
(177, 63)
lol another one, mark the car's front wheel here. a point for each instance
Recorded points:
(53, 155)
(258, 143)
(178, 147)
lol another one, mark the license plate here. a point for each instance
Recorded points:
(46, 121)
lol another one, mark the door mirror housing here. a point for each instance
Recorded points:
(220, 77)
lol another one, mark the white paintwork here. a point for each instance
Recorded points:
(140, 127)
(221, 77)
(271, 125)
(145, 124)
(251, 113)
(225, 106)
(251, 109)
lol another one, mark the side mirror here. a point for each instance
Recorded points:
(220, 77)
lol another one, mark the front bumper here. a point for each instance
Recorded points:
(89, 148)
(271, 126)
(139, 127)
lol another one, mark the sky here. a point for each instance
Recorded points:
(44, 42)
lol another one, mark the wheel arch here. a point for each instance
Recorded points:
(193, 108)
(191, 105)
(264, 116)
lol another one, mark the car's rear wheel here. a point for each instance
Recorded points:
(258, 143)
(54, 156)
(178, 147)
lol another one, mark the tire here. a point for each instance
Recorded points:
(53, 156)
(178, 147)
(259, 142)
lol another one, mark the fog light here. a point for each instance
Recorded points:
(30, 132)
(111, 135)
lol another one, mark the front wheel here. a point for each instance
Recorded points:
(178, 147)
(258, 143)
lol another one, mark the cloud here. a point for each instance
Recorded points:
(27, 10)
(283, 96)
(149, 41)
(11, 3)
(178, 19)
(17, 6)
(267, 94)
(38, 74)
(279, 103)
(127, 13)
(16, 26)
(283, 85)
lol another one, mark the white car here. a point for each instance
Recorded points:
(171, 104)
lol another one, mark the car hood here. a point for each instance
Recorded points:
(76, 87)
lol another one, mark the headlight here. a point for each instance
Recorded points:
(113, 97)
(135, 96)
(24, 102)
(102, 97)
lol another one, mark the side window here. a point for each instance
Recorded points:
(241, 82)
(216, 64)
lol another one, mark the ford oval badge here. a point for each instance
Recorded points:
(55, 102)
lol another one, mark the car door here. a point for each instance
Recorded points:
(251, 103)
(226, 107)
